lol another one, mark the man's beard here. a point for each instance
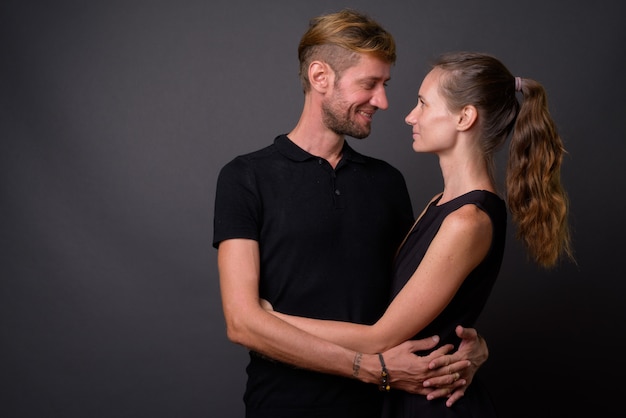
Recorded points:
(341, 124)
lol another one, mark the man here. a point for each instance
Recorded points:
(312, 226)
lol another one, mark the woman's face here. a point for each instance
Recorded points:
(434, 125)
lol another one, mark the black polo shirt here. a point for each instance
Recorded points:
(327, 237)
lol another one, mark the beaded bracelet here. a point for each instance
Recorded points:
(384, 376)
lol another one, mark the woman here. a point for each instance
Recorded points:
(448, 263)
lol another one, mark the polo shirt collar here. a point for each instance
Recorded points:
(292, 151)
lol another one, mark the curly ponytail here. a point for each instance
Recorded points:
(535, 196)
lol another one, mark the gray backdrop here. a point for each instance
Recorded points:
(115, 118)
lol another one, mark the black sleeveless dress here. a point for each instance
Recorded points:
(464, 308)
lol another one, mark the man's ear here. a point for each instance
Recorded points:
(467, 118)
(320, 76)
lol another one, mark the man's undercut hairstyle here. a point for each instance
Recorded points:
(339, 39)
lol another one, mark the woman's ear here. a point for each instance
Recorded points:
(320, 76)
(467, 118)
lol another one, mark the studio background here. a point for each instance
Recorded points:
(115, 119)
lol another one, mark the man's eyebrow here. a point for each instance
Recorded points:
(375, 78)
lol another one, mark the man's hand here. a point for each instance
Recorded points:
(462, 365)
(408, 371)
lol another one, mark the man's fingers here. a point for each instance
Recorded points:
(456, 395)
(443, 380)
(466, 333)
(448, 360)
(456, 390)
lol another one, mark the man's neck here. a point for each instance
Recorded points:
(314, 137)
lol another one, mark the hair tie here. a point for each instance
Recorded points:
(518, 84)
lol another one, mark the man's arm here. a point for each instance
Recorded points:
(248, 324)
(411, 373)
